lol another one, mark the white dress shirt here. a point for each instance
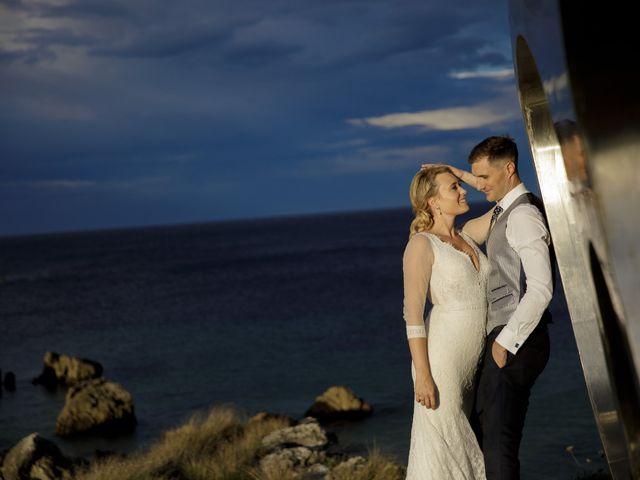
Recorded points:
(528, 235)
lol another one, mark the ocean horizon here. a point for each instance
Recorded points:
(262, 313)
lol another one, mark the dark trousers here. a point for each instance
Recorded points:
(502, 399)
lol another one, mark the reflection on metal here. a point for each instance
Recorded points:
(577, 77)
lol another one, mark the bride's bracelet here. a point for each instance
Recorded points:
(416, 331)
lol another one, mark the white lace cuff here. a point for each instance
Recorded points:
(416, 331)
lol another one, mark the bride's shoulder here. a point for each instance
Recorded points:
(419, 245)
(423, 238)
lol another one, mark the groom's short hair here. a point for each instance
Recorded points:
(496, 149)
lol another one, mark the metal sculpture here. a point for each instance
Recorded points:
(577, 73)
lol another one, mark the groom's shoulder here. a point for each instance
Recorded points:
(526, 210)
(528, 204)
(527, 217)
(534, 200)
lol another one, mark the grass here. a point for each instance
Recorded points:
(217, 445)
(376, 467)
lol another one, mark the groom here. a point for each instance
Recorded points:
(519, 289)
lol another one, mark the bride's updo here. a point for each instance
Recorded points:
(424, 187)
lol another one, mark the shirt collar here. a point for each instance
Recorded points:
(511, 196)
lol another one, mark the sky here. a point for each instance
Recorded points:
(118, 114)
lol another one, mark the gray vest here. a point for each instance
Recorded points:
(506, 284)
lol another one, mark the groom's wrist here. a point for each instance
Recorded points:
(507, 340)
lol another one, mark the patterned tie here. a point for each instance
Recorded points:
(494, 216)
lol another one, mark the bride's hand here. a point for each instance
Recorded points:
(427, 166)
(456, 171)
(426, 392)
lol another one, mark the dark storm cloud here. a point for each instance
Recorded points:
(13, 4)
(28, 56)
(184, 99)
(337, 33)
(84, 9)
(99, 9)
(162, 42)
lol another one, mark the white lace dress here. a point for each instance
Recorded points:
(443, 445)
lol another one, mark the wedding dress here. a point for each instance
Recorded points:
(443, 445)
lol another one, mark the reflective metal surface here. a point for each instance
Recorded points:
(577, 73)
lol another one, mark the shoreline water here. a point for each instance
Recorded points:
(170, 313)
(213, 445)
(205, 223)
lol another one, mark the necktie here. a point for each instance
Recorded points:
(494, 215)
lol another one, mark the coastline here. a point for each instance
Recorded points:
(171, 314)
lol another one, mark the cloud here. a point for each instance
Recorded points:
(54, 109)
(257, 31)
(62, 184)
(200, 90)
(162, 41)
(504, 73)
(456, 118)
(83, 8)
(374, 160)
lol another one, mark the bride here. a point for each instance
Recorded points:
(445, 265)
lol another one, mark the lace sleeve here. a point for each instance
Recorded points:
(416, 265)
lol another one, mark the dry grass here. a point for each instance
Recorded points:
(220, 445)
(217, 445)
(376, 467)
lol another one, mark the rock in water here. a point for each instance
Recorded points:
(10, 381)
(35, 457)
(66, 370)
(96, 406)
(339, 403)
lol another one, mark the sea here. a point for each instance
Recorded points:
(261, 314)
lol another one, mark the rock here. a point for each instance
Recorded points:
(65, 370)
(294, 458)
(34, 457)
(300, 448)
(309, 435)
(317, 471)
(9, 381)
(339, 403)
(97, 406)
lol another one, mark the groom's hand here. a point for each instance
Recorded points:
(499, 354)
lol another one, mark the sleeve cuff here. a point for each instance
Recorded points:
(508, 340)
(416, 331)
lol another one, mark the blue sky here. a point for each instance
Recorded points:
(139, 112)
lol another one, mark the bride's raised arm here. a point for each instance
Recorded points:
(416, 266)
(464, 175)
(478, 228)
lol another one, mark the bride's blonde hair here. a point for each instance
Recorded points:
(424, 187)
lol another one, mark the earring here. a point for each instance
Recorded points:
(438, 208)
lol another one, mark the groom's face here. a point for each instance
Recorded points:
(493, 178)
